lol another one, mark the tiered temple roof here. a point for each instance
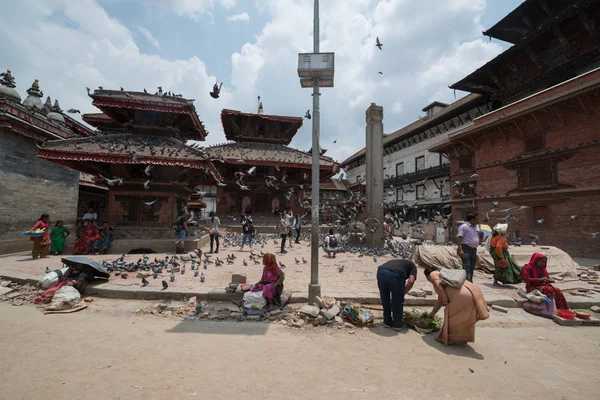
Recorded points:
(259, 128)
(136, 128)
(150, 113)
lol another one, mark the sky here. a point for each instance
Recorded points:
(252, 46)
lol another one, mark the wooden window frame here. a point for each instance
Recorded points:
(401, 196)
(417, 164)
(541, 136)
(417, 192)
(397, 164)
(525, 172)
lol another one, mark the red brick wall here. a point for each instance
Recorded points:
(567, 126)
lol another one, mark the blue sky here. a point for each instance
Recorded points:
(252, 45)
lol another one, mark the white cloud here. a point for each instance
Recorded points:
(227, 3)
(196, 9)
(239, 17)
(423, 52)
(397, 107)
(148, 35)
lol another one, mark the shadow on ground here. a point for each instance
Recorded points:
(220, 328)
(461, 350)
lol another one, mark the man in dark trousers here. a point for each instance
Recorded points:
(395, 278)
(468, 238)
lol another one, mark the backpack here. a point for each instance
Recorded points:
(333, 241)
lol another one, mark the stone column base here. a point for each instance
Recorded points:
(314, 291)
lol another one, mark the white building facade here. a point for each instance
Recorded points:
(415, 178)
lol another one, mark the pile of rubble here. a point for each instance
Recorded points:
(326, 313)
(17, 295)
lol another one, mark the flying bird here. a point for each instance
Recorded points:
(148, 170)
(307, 115)
(73, 111)
(380, 73)
(378, 44)
(216, 90)
(147, 184)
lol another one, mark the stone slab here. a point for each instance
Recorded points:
(5, 290)
(332, 312)
(566, 322)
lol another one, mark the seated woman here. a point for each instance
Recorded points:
(464, 307)
(96, 243)
(506, 270)
(536, 276)
(82, 245)
(108, 237)
(271, 282)
(58, 234)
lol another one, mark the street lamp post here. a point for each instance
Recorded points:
(315, 70)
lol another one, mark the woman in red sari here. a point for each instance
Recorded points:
(82, 245)
(41, 244)
(271, 282)
(536, 276)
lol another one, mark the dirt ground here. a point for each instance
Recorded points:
(113, 351)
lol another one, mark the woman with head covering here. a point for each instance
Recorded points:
(271, 282)
(536, 276)
(506, 270)
(463, 308)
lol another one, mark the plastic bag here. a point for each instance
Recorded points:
(52, 278)
(254, 300)
(535, 296)
(357, 315)
(66, 297)
(546, 310)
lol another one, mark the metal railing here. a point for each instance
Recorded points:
(431, 172)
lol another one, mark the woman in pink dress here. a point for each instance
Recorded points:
(41, 244)
(271, 282)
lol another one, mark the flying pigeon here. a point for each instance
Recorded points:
(73, 111)
(378, 44)
(216, 90)
(307, 115)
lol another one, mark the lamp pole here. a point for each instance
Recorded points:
(314, 288)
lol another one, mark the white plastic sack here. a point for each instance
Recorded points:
(66, 297)
(52, 278)
(254, 300)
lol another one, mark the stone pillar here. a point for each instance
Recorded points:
(374, 182)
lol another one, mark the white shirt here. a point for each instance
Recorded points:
(90, 216)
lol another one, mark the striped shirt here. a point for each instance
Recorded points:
(469, 234)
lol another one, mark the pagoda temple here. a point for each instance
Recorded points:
(141, 156)
(535, 153)
(273, 175)
(30, 186)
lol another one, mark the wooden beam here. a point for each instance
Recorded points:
(583, 106)
(473, 141)
(558, 115)
(487, 138)
(532, 55)
(588, 24)
(537, 121)
(502, 133)
(518, 128)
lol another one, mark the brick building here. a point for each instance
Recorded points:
(30, 186)
(281, 173)
(533, 160)
(141, 157)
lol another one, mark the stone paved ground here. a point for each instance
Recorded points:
(357, 281)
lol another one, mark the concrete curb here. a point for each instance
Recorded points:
(109, 291)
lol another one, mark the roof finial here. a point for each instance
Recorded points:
(261, 111)
(7, 79)
(34, 90)
(48, 104)
(56, 107)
